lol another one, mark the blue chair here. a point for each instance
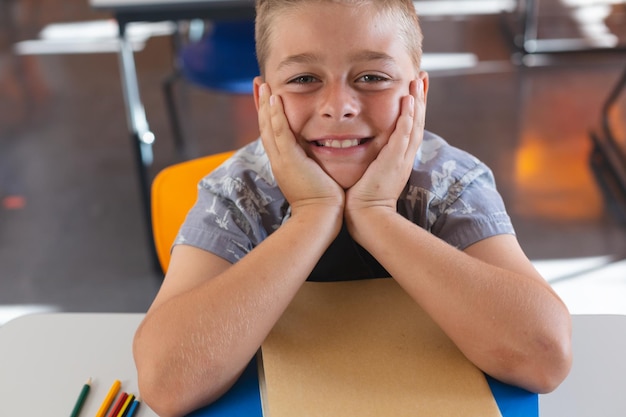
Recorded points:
(224, 60)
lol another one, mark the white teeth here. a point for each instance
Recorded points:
(333, 143)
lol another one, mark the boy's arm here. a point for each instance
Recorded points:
(210, 317)
(488, 299)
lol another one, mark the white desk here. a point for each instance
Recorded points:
(46, 358)
(596, 386)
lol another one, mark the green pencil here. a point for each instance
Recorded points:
(81, 398)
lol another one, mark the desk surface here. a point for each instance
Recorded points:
(595, 385)
(140, 4)
(137, 10)
(46, 358)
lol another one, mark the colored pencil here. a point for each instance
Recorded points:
(133, 408)
(104, 407)
(118, 405)
(81, 399)
(124, 407)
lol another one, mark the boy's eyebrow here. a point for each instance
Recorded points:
(298, 59)
(361, 56)
(369, 55)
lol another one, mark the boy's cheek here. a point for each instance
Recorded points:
(292, 114)
(394, 110)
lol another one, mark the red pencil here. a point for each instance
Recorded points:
(118, 404)
(124, 407)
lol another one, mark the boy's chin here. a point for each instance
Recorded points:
(346, 178)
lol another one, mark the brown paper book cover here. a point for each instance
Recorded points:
(366, 349)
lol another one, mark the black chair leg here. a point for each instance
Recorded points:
(170, 101)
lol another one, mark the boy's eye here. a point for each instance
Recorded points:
(372, 78)
(303, 79)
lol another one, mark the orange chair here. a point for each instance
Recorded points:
(174, 191)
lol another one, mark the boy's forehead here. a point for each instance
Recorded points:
(301, 37)
(287, 25)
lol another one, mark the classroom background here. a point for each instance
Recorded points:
(72, 229)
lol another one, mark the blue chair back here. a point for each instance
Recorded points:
(224, 60)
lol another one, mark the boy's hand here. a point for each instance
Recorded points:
(302, 181)
(387, 175)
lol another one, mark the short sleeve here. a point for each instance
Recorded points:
(453, 195)
(472, 210)
(238, 206)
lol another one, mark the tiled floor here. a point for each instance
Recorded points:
(72, 236)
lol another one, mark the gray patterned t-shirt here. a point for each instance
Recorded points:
(450, 193)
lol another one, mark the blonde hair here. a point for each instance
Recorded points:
(403, 11)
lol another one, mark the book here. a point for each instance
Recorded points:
(365, 348)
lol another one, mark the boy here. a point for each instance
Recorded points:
(344, 184)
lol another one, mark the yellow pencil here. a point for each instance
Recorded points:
(129, 399)
(109, 398)
(133, 407)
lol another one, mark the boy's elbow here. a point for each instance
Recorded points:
(558, 357)
(557, 365)
(167, 396)
(151, 395)
(540, 366)
(548, 379)
(543, 371)
(166, 385)
(156, 387)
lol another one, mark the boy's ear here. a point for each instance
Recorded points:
(256, 84)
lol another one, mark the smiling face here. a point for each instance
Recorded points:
(341, 71)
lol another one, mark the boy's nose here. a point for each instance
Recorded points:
(338, 102)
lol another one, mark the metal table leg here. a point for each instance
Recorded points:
(526, 36)
(141, 136)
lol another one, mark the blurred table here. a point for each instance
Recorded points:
(580, 16)
(128, 11)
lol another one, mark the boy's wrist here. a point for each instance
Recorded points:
(360, 221)
(359, 212)
(319, 214)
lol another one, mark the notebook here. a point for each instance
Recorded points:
(365, 348)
